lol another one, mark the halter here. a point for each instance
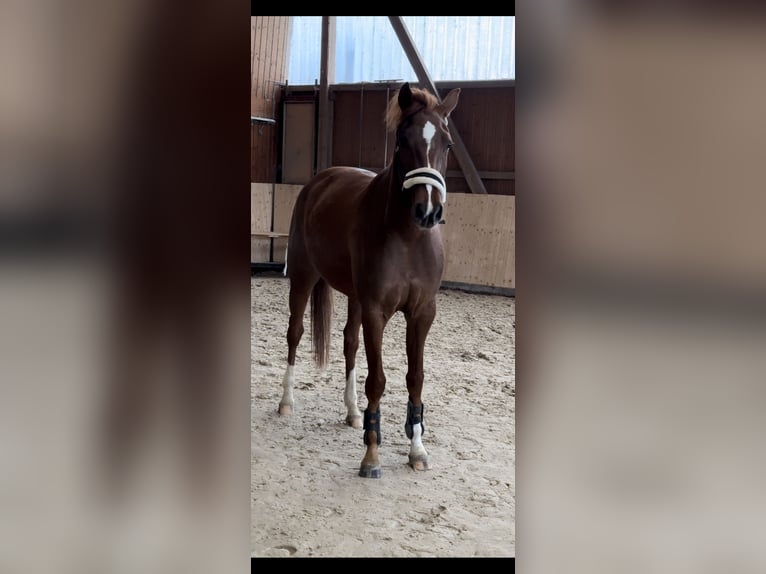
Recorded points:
(421, 175)
(426, 176)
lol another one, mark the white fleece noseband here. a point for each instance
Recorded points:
(426, 176)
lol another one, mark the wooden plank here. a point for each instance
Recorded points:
(263, 153)
(479, 239)
(252, 51)
(460, 151)
(326, 77)
(260, 36)
(490, 117)
(298, 142)
(261, 233)
(279, 57)
(268, 66)
(441, 85)
(501, 175)
(345, 130)
(284, 201)
(373, 128)
(260, 207)
(269, 77)
(259, 249)
(260, 220)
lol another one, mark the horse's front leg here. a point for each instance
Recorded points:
(350, 347)
(373, 323)
(418, 324)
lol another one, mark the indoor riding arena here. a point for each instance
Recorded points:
(320, 90)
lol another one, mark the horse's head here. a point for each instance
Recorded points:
(422, 145)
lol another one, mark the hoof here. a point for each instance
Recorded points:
(370, 471)
(419, 463)
(285, 410)
(355, 422)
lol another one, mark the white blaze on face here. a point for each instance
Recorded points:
(429, 130)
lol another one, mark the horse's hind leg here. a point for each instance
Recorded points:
(300, 291)
(418, 324)
(350, 347)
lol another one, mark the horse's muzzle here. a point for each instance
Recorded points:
(427, 220)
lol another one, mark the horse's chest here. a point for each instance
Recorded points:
(415, 260)
(400, 272)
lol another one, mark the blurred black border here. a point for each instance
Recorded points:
(258, 8)
(501, 563)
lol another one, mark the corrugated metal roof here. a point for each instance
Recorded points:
(454, 48)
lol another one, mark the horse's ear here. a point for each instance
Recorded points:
(405, 96)
(449, 102)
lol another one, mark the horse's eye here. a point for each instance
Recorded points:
(449, 146)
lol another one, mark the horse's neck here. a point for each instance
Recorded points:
(395, 214)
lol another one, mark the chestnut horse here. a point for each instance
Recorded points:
(376, 239)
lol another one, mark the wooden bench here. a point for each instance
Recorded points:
(261, 266)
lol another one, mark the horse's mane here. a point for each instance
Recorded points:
(419, 97)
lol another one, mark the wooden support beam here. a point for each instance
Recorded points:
(503, 175)
(461, 153)
(269, 234)
(326, 77)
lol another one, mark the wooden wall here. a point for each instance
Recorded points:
(260, 220)
(479, 236)
(262, 195)
(268, 71)
(484, 117)
(268, 61)
(480, 239)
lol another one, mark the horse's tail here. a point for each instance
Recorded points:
(321, 318)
